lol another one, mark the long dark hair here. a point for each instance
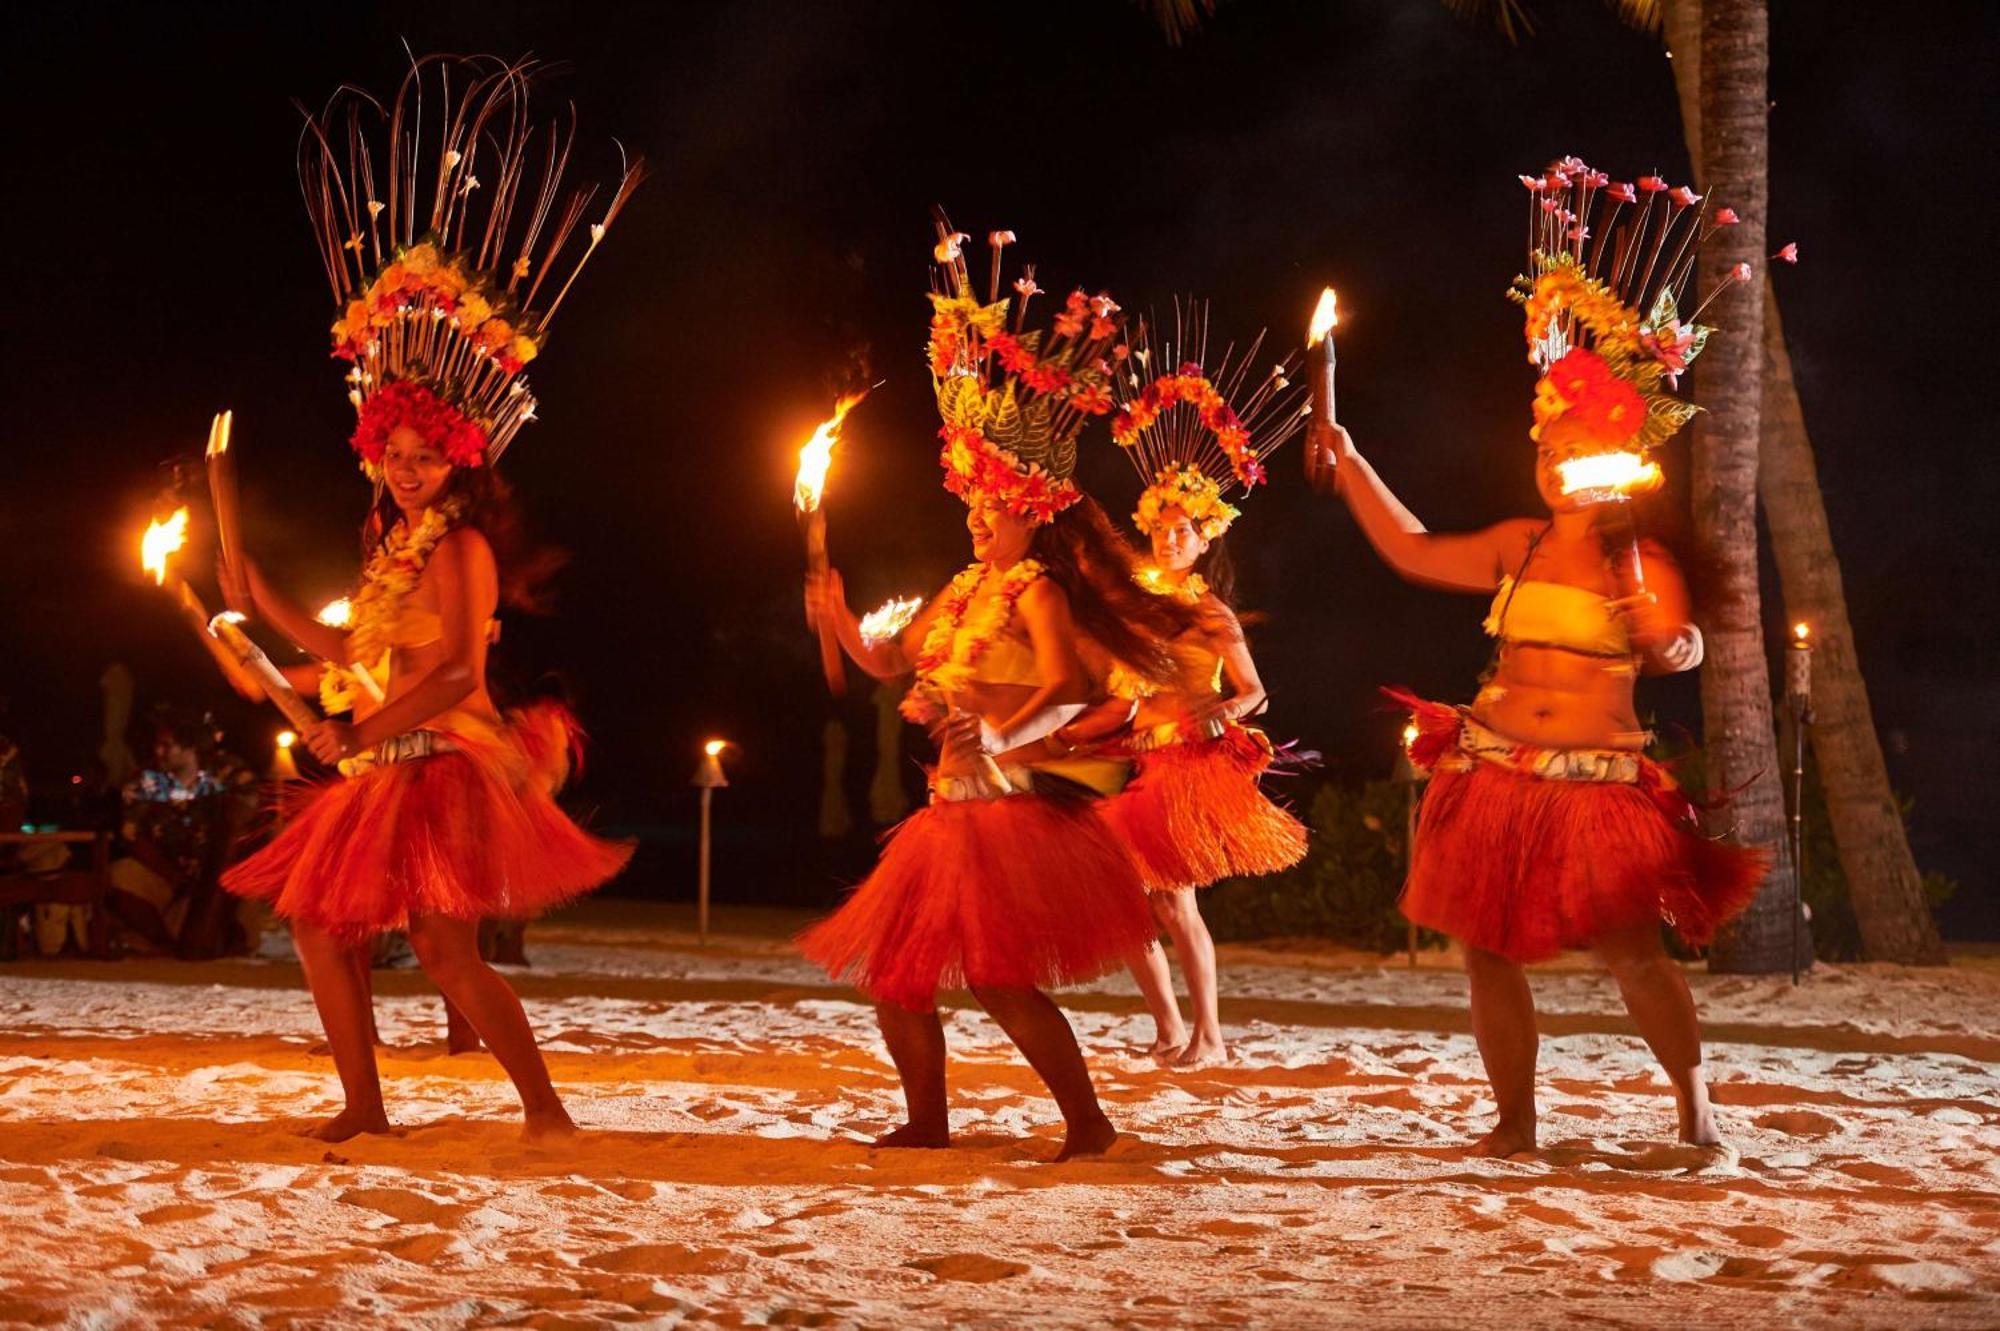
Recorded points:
(1084, 555)
(486, 504)
(1218, 570)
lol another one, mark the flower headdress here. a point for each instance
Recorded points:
(441, 242)
(1189, 445)
(1014, 399)
(1609, 268)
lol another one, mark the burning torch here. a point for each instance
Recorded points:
(808, 492)
(1798, 699)
(1320, 364)
(1613, 480)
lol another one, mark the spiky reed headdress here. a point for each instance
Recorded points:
(1014, 399)
(446, 244)
(1177, 426)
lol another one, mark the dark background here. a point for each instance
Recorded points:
(159, 268)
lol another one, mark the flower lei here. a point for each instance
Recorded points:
(973, 462)
(944, 662)
(391, 574)
(422, 278)
(1190, 386)
(1192, 491)
(1188, 591)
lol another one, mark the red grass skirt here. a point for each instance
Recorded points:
(1194, 814)
(1527, 867)
(471, 834)
(1025, 891)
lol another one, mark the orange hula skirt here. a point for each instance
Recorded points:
(1194, 814)
(1027, 891)
(472, 832)
(1528, 866)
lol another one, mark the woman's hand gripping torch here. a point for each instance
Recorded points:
(808, 492)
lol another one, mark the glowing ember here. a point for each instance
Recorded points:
(715, 747)
(160, 541)
(890, 618)
(1325, 318)
(814, 458)
(336, 614)
(1607, 477)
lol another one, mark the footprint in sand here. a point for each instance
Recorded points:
(406, 1206)
(665, 1259)
(1799, 1123)
(160, 1215)
(971, 1267)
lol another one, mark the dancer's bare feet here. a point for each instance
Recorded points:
(1091, 1137)
(916, 1136)
(1698, 1125)
(1167, 1045)
(1203, 1051)
(348, 1123)
(1505, 1140)
(543, 1125)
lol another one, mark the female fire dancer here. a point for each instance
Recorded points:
(1193, 813)
(444, 815)
(1009, 881)
(1546, 826)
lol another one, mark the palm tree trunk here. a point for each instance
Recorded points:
(1741, 742)
(1895, 920)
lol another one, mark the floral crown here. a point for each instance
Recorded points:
(1609, 269)
(446, 290)
(1014, 399)
(1178, 429)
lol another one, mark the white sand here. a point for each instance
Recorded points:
(149, 1174)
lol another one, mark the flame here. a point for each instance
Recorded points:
(218, 434)
(287, 738)
(1409, 735)
(337, 614)
(715, 747)
(161, 540)
(1608, 474)
(810, 487)
(1802, 631)
(1326, 317)
(890, 618)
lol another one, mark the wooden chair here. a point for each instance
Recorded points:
(68, 886)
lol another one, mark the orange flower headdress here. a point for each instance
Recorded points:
(1609, 269)
(1177, 426)
(442, 246)
(1014, 399)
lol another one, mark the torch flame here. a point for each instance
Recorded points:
(1326, 317)
(160, 541)
(715, 747)
(1608, 476)
(814, 458)
(890, 618)
(1802, 630)
(336, 614)
(1409, 735)
(287, 738)
(218, 434)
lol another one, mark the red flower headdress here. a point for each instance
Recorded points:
(444, 290)
(1013, 400)
(1189, 445)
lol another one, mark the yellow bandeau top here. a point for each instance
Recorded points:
(417, 627)
(1555, 614)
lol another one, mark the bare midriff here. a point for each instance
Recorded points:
(1558, 698)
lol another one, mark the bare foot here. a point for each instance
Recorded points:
(1698, 1128)
(1204, 1051)
(348, 1123)
(548, 1125)
(1505, 1140)
(916, 1137)
(1091, 1138)
(1166, 1047)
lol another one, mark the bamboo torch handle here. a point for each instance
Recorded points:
(830, 663)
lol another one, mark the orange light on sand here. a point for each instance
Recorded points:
(890, 618)
(161, 540)
(1607, 477)
(336, 614)
(1325, 318)
(817, 455)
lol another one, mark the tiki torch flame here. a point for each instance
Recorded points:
(810, 487)
(890, 618)
(1600, 478)
(715, 747)
(160, 541)
(337, 614)
(1325, 318)
(1802, 631)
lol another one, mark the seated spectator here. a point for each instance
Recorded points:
(180, 820)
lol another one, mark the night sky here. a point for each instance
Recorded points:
(159, 268)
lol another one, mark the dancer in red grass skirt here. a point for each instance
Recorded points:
(1194, 812)
(1009, 881)
(1546, 827)
(444, 815)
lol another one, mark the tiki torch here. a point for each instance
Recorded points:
(808, 492)
(222, 487)
(156, 550)
(1613, 480)
(1320, 364)
(227, 628)
(1798, 698)
(709, 778)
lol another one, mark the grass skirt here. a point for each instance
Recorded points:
(1024, 891)
(1194, 814)
(1527, 867)
(471, 834)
